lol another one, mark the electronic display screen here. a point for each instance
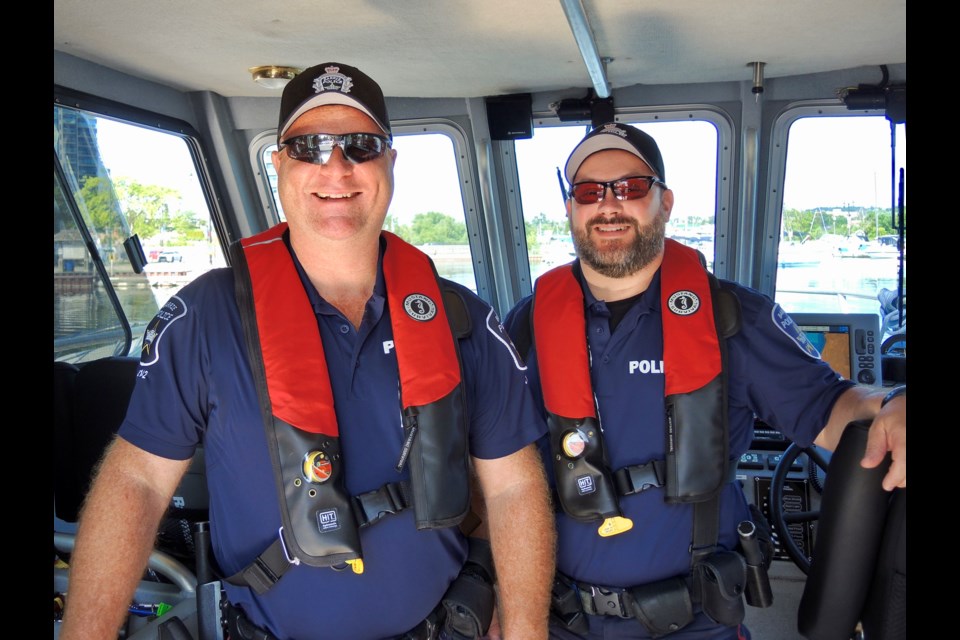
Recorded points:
(848, 342)
(833, 343)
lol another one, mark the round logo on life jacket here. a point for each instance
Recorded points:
(317, 467)
(419, 307)
(683, 303)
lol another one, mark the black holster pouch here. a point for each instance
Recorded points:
(721, 579)
(664, 606)
(764, 534)
(758, 592)
(758, 557)
(566, 608)
(470, 600)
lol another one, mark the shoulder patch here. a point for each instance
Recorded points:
(500, 334)
(173, 310)
(785, 323)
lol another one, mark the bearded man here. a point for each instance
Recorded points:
(651, 372)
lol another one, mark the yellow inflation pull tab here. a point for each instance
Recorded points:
(613, 526)
(357, 565)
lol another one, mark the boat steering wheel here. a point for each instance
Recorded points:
(781, 519)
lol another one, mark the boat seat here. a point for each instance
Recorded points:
(858, 572)
(66, 495)
(90, 404)
(89, 410)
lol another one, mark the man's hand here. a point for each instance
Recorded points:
(889, 433)
(494, 632)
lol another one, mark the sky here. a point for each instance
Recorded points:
(150, 157)
(425, 177)
(842, 161)
(832, 161)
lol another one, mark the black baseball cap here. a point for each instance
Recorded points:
(332, 83)
(615, 135)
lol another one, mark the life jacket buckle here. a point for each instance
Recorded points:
(640, 477)
(373, 505)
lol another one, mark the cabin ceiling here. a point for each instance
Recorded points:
(472, 48)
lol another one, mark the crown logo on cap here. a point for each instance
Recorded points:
(333, 80)
(615, 129)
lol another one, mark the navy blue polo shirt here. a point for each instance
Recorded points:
(195, 383)
(770, 376)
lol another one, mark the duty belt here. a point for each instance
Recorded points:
(239, 626)
(600, 601)
(662, 607)
(716, 586)
(609, 601)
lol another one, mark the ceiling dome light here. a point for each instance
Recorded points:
(273, 77)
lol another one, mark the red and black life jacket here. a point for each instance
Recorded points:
(321, 521)
(697, 317)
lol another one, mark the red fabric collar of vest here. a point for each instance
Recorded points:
(691, 351)
(296, 369)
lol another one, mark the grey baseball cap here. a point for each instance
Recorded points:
(615, 135)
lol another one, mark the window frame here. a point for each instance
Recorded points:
(70, 98)
(66, 98)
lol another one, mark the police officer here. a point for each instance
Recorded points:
(287, 367)
(651, 372)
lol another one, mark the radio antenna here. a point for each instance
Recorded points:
(563, 189)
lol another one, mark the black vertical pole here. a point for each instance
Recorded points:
(900, 249)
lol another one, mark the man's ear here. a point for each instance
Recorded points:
(666, 203)
(568, 203)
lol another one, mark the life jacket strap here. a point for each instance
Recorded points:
(640, 477)
(706, 524)
(706, 531)
(265, 570)
(369, 508)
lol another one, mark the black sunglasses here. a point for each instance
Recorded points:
(631, 188)
(316, 148)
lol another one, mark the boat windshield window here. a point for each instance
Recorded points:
(838, 250)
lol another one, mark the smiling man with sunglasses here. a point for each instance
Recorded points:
(350, 402)
(650, 372)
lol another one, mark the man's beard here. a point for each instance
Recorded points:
(617, 258)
